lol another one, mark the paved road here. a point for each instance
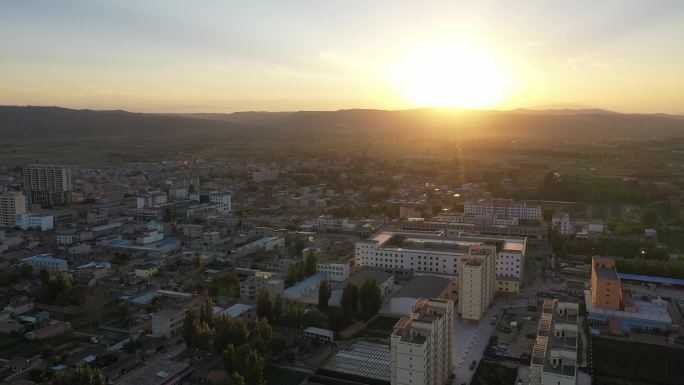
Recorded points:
(470, 341)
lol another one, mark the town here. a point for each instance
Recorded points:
(333, 271)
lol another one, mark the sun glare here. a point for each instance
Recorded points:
(452, 75)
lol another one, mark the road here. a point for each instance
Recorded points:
(471, 340)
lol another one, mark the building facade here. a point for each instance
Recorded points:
(421, 344)
(48, 183)
(476, 282)
(12, 204)
(554, 354)
(502, 208)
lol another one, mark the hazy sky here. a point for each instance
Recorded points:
(222, 56)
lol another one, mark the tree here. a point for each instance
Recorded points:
(262, 329)
(228, 356)
(370, 298)
(264, 304)
(83, 375)
(350, 299)
(229, 331)
(649, 218)
(324, 294)
(250, 365)
(310, 264)
(278, 307)
(197, 261)
(236, 379)
(93, 308)
(189, 331)
(206, 314)
(26, 271)
(44, 277)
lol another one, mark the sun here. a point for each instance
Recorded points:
(452, 75)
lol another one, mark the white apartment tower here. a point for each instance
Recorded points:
(12, 204)
(48, 183)
(476, 279)
(421, 344)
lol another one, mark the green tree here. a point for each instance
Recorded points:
(310, 263)
(197, 261)
(649, 218)
(83, 375)
(264, 304)
(228, 357)
(278, 308)
(229, 330)
(370, 298)
(350, 299)
(206, 313)
(250, 365)
(44, 277)
(26, 271)
(236, 379)
(324, 293)
(263, 330)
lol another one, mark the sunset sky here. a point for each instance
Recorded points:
(224, 56)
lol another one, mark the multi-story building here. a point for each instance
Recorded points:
(250, 287)
(421, 344)
(561, 222)
(48, 183)
(335, 272)
(41, 222)
(47, 262)
(151, 200)
(423, 251)
(265, 175)
(606, 290)
(12, 204)
(502, 208)
(531, 232)
(476, 281)
(555, 351)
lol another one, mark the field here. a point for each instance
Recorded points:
(491, 373)
(280, 376)
(620, 362)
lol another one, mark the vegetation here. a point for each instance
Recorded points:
(82, 375)
(491, 373)
(615, 362)
(324, 293)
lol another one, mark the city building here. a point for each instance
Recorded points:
(242, 311)
(606, 290)
(12, 204)
(561, 222)
(476, 282)
(252, 285)
(42, 222)
(502, 208)
(421, 344)
(48, 183)
(335, 272)
(555, 351)
(47, 262)
(437, 252)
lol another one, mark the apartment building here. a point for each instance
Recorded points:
(555, 351)
(476, 281)
(48, 183)
(250, 287)
(502, 208)
(12, 204)
(421, 344)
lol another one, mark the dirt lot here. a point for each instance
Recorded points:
(516, 331)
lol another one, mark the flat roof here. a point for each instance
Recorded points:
(607, 274)
(363, 358)
(652, 279)
(423, 286)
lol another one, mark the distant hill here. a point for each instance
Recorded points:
(54, 122)
(583, 125)
(564, 124)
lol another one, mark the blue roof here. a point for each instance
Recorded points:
(652, 279)
(298, 289)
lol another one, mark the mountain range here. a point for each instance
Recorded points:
(29, 122)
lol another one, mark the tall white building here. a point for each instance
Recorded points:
(502, 208)
(48, 183)
(12, 204)
(554, 355)
(421, 344)
(562, 224)
(476, 282)
(335, 272)
(431, 251)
